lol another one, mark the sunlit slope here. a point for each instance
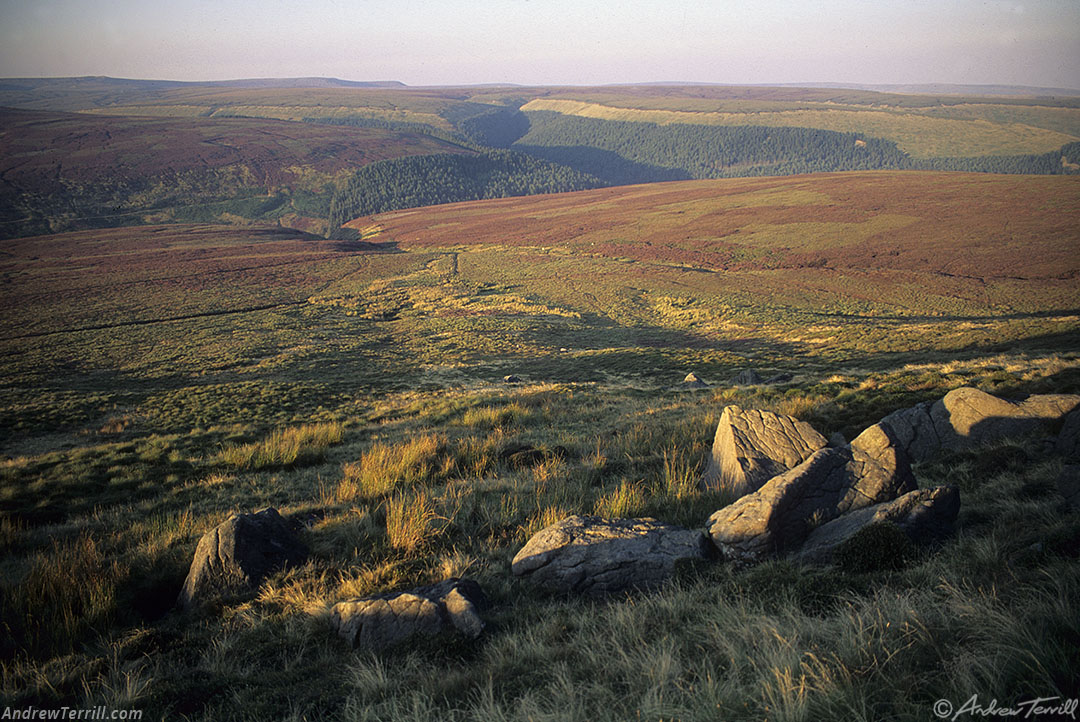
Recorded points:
(951, 251)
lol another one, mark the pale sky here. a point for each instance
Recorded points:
(441, 42)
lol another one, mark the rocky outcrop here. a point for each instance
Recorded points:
(235, 556)
(967, 417)
(778, 517)
(594, 556)
(924, 515)
(751, 446)
(384, 620)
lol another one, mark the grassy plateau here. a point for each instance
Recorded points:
(156, 379)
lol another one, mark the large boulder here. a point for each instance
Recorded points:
(235, 556)
(384, 620)
(751, 446)
(967, 417)
(833, 481)
(593, 556)
(923, 515)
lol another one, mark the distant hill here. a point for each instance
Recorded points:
(949, 89)
(64, 171)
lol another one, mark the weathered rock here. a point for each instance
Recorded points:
(924, 515)
(746, 377)
(693, 382)
(1068, 440)
(914, 431)
(751, 446)
(594, 556)
(384, 620)
(833, 481)
(967, 417)
(235, 556)
(1068, 484)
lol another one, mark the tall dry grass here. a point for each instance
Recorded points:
(285, 448)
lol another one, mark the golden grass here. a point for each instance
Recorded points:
(384, 467)
(411, 521)
(285, 447)
(626, 500)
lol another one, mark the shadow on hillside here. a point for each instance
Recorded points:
(606, 165)
(345, 245)
(928, 318)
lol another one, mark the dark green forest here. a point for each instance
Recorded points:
(426, 180)
(627, 152)
(620, 152)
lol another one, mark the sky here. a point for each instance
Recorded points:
(537, 42)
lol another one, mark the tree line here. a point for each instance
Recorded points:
(620, 152)
(426, 180)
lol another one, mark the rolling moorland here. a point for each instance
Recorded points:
(313, 154)
(152, 376)
(160, 375)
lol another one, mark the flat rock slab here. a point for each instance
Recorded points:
(777, 518)
(235, 556)
(384, 620)
(924, 515)
(751, 446)
(967, 417)
(594, 556)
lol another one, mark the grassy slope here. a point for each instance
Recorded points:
(128, 440)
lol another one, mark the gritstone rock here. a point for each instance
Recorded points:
(594, 556)
(750, 447)
(384, 620)
(967, 417)
(776, 518)
(924, 515)
(235, 556)
(693, 382)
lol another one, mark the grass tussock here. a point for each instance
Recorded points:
(285, 448)
(66, 592)
(412, 521)
(385, 467)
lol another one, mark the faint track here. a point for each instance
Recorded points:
(152, 321)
